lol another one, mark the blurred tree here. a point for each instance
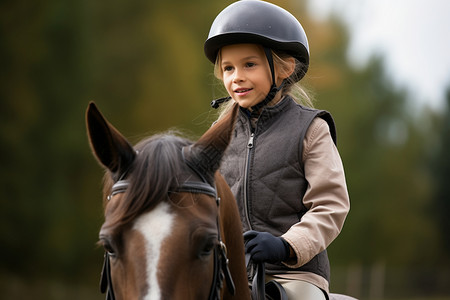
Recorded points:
(441, 175)
(43, 142)
(382, 148)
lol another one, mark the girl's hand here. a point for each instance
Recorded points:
(265, 247)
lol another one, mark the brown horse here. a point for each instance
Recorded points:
(165, 230)
(168, 216)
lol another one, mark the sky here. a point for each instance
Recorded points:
(413, 36)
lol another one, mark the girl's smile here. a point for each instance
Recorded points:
(242, 91)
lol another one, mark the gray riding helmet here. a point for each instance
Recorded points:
(259, 22)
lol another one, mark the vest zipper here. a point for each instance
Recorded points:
(250, 141)
(246, 179)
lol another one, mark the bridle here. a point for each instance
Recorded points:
(221, 270)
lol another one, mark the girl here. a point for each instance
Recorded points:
(282, 164)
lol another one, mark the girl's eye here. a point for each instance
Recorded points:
(250, 64)
(227, 69)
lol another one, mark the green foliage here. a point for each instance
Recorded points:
(383, 150)
(441, 175)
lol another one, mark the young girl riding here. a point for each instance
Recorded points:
(282, 164)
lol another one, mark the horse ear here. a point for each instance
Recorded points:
(206, 154)
(110, 147)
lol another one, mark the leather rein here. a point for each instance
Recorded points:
(221, 270)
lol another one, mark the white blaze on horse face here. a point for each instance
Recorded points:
(155, 226)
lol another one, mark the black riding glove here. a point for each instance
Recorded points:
(265, 247)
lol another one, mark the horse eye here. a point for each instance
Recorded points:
(107, 245)
(207, 247)
(110, 251)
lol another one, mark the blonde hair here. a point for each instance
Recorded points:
(291, 86)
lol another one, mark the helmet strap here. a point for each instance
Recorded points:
(273, 89)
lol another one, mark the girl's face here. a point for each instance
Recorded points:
(246, 74)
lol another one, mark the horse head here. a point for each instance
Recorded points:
(163, 226)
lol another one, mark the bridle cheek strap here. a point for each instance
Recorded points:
(226, 270)
(221, 269)
(105, 279)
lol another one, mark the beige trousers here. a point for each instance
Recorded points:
(299, 290)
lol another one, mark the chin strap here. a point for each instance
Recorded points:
(273, 89)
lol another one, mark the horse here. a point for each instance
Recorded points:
(171, 225)
(168, 216)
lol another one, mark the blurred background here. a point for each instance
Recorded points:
(382, 68)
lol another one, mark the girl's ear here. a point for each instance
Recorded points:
(286, 69)
(217, 67)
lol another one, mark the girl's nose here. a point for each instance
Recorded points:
(238, 76)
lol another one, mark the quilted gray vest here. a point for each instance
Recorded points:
(263, 167)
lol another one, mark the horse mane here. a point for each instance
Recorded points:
(156, 168)
(151, 176)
